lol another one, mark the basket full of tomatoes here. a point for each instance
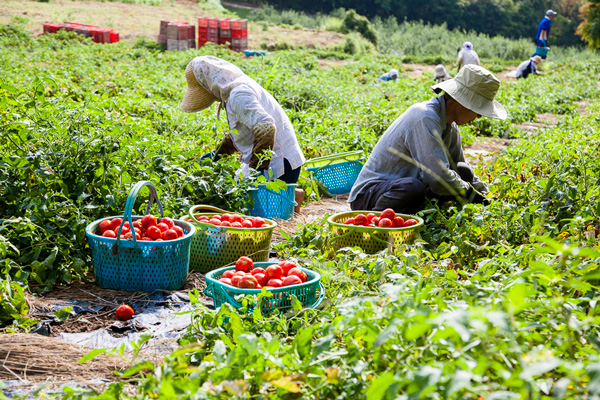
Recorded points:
(373, 231)
(141, 253)
(281, 279)
(222, 237)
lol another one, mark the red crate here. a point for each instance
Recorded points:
(225, 33)
(239, 33)
(182, 32)
(213, 23)
(191, 32)
(164, 23)
(224, 40)
(202, 22)
(202, 36)
(225, 23)
(191, 44)
(53, 28)
(105, 35)
(114, 37)
(239, 24)
(201, 42)
(162, 38)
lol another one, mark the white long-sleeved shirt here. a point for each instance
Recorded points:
(466, 57)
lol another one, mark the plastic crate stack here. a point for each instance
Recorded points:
(98, 35)
(176, 35)
(233, 32)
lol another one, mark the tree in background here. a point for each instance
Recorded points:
(589, 29)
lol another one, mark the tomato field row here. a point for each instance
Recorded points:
(498, 302)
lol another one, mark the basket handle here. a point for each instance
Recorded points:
(204, 225)
(129, 208)
(321, 296)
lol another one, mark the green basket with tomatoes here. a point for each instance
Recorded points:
(309, 293)
(372, 239)
(216, 246)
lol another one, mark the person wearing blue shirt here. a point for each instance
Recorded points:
(543, 31)
(389, 76)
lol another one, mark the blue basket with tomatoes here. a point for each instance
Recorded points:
(136, 252)
(373, 231)
(303, 283)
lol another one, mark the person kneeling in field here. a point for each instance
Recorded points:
(420, 155)
(528, 67)
(260, 122)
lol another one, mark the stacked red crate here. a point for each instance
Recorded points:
(97, 34)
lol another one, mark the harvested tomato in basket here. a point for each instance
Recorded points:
(147, 228)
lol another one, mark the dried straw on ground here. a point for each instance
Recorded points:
(39, 358)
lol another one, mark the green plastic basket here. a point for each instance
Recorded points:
(305, 292)
(370, 239)
(216, 247)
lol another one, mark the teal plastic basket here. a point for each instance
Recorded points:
(269, 203)
(140, 265)
(306, 292)
(542, 51)
(337, 172)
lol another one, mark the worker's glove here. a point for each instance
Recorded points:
(543, 43)
(264, 139)
(474, 197)
(210, 154)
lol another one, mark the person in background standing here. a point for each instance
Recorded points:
(467, 56)
(543, 31)
(528, 67)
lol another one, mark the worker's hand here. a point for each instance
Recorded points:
(226, 147)
(264, 139)
(544, 43)
(210, 154)
(474, 196)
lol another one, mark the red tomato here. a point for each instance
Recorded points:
(274, 272)
(258, 222)
(138, 224)
(115, 223)
(153, 232)
(370, 216)
(274, 283)
(104, 226)
(163, 227)
(291, 280)
(110, 234)
(410, 222)
(248, 282)
(385, 223)
(124, 312)
(202, 217)
(225, 223)
(168, 221)
(235, 281)
(226, 281)
(137, 231)
(258, 286)
(226, 217)
(257, 270)
(237, 218)
(159, 240)
(261, 279)
(228, 274)
(129, 235)
(236, 224)
(169, 235)
(375, 221)
(179, 230)
(149, 220)
(247, 224)
(146, 239)
(398, 222)
(286, 266)
(360, 219)
(388, 213)
(244, 264)
(349, 221)
(299, 273)
(216, 216)
(215, 221)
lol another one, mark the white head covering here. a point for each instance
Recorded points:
(394, 72)
(468, 45)
(440, 73)
(210, 78)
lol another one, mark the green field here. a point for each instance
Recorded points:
(496, 302)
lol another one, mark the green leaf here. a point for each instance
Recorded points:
(379, 386)
(539, 368)
(91, 355)
(63, 314)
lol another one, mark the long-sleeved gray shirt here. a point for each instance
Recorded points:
(419, 144)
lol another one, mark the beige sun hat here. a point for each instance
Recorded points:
(474, 87)
(536, 59)
(196, 98)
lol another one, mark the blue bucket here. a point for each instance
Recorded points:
(269, 203)
(542, 51)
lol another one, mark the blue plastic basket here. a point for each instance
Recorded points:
(305, 292)
(337, 172)
(140, 265)
(542, 51)
(269, 203)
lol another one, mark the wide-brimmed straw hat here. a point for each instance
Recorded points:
(474, 87)
(536, 59)
(196, 98)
